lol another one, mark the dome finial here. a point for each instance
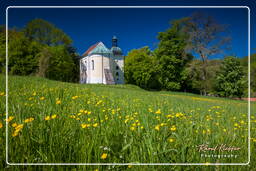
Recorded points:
(114, 41)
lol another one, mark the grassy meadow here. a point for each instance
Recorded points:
(56, 122)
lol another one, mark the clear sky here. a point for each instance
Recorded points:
(134, 28)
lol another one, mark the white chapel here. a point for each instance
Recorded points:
(102, 65)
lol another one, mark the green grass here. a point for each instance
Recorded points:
(127, 123)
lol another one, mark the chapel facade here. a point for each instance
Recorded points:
(100, 65)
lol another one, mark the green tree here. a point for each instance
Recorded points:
(2, 49)
(172, 55)
(46, 33)
(230, 80)
(141, 69)
(206, 38)
(60, 64)
(244, 62)
(22, 54)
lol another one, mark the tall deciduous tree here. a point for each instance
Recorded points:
(230, 80)
(172, 55)
(206, 39)
(46, 33)
(141, 69)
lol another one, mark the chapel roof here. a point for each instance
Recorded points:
(97, 48)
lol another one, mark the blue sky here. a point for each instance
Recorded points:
(134, 28)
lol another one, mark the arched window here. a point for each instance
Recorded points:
(117, 74)
(92, 64)
(117, 68)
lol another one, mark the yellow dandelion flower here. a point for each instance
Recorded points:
(129, 166)
(14, 125)
(74, 97)
(173, 128)
(15, 133)
(95, 125)
(171, 140)
(89, 112)
(142, 127)
(1, 125)
(157, 127)
(81, 110)
(84, 125)
(58, 102)
(132, 128)
(225, 130)
(72, 116)
(42, 98)
(235, 124)
(2, 94)
(104, 156)
(158, 111)
(34, 94)
(19, 127)
(28, 120)
(10, 118)
(53, 116)
(47, 118)
(150, 110)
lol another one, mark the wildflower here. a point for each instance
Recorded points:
(242, 122)
(104, 156)
(171, 140)
(173, 128)
(2, 94)
(95, 125)
(158, 111)
(224, 130)
(18, 128)
(157, 127)
(1, 125)
(10, 118)
(84, 125)
(58, 102)
(150, 110)
(14, 125)
(81, 110)
(129, 166)
(53, 116)
(74, 97)
(132, 128)
(47, 118)
(72, 116)
(31, 98)
(28, 120)
(42, 98)
(235, 124)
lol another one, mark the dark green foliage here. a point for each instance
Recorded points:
(60, 64)
(230, 80)
(22, 54)
(40, 49)
(172, 55)
(195, 83)
(244, 62)
(46, 33)
(2, 49)
(141, 69)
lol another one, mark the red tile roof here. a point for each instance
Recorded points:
(90, 49)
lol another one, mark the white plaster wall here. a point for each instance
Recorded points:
(100, 62)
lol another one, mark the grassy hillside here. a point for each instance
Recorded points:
(58, 122)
